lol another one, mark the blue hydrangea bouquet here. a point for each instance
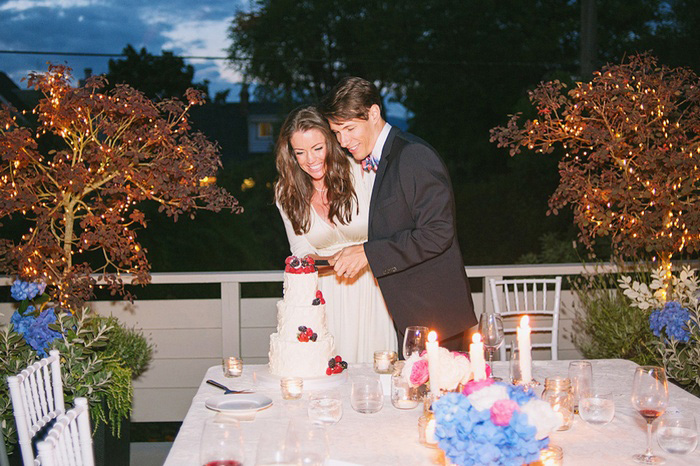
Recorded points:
(493, 423)
(674, 318)
(34, 316)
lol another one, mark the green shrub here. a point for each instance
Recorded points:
(607, 325)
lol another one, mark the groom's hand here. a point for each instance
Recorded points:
(349, 261)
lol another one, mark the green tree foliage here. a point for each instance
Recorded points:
(157, 76)
(459, 67)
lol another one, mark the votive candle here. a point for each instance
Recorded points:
(233, 367)
(291, 387)
(384, 361)
(476, 354)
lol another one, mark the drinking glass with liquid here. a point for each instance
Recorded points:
(677, 432)
(596, 407)
(325, 407)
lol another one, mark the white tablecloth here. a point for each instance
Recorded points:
(390, 437)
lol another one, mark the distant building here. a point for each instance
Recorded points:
(242, 129)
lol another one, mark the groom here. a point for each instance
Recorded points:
(412, 246)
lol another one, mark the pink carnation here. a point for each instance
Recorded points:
(474, 386)
(502, 411)
(419, 372)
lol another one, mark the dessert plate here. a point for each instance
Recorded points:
(238, 403)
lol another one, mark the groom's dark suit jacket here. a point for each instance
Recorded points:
(412, 247)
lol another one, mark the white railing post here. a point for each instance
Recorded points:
(231, 319)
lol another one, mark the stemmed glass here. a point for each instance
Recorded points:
(649, 398)
(222, 443)
(414, 340)
(491, 330)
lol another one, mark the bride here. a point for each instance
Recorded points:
(323, 196)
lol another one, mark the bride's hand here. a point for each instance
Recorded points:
(349, 261)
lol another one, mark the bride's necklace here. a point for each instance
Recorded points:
(321, 191)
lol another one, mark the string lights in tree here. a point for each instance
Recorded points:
(117, 150)
(631, 143)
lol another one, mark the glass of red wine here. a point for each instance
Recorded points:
(649, 398)
(222, 443)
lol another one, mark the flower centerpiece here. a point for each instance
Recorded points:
(455, 369)
(674, 318)
(493, 423)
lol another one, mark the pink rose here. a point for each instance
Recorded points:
(474, 386)
(502, 411)
(419, 373)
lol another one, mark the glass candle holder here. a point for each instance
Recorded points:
(403, 396)
(553, 455)
(426, 430)
(558, 393)
(384, 361)
(292, 387)
(233, 367)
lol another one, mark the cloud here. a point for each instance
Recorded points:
(107, 26)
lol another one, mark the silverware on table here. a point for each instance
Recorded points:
(225, 388)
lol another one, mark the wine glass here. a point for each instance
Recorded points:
(307, 442)
(222, 443)
(649, 398)
(491, 330)
(414, 340)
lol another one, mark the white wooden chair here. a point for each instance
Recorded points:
(532, 296)
(69, 441)
(37, 399)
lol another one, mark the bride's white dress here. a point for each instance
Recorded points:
(357, 315)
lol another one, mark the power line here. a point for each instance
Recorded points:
(92, 54)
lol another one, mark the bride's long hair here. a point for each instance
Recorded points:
(293, 188)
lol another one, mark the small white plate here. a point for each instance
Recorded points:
(238, 403)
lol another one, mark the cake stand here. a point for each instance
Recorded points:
(262, 377)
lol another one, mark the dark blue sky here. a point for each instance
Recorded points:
(185, 27)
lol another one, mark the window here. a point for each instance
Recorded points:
(264, 130)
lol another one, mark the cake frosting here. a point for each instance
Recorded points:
(302, 346)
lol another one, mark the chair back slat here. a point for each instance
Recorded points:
(37, 398)
(69, 441)
(513, 298)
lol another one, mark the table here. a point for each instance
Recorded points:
(390, 437)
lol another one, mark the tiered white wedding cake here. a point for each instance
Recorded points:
(302, 346)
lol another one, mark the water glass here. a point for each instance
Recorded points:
(307, 442)
(272, 448)
(222, 443)
(414, 340)
(581, 376)
(325, 407)
(597, 407)
(366, 395)
(677, 432)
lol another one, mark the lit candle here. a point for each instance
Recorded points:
(432, 347)
(524, 347)
(476, 354)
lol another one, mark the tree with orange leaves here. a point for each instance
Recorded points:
(631, 142)
(117, 150)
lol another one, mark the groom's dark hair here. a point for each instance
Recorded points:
(351, 98)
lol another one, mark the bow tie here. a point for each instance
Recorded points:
(370, 163)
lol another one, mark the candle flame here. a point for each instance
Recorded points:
(432, 336)
(476, 338)
(525, 322)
